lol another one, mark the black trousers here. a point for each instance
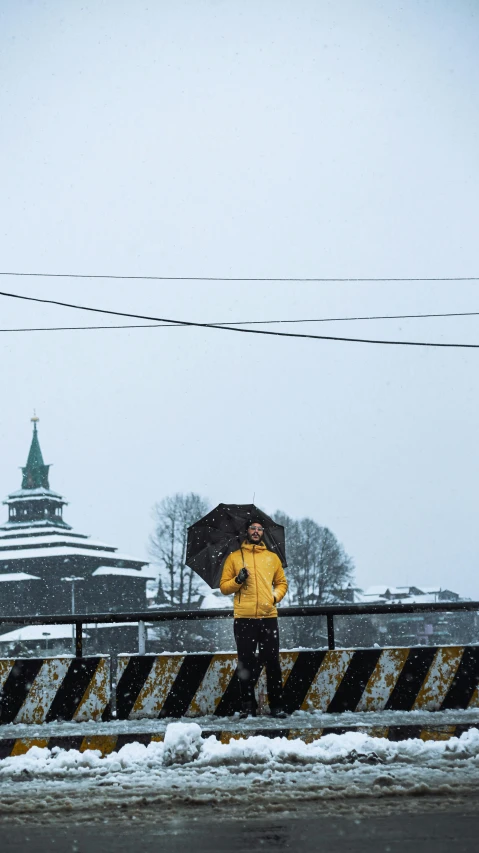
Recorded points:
(249, 635)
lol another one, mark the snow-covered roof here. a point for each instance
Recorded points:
(55, 538)
(149, 572)
(93, 625)
(66, 551)
(33, 493)
(46, 496)
(428, 598)
(57, 632)
(49, 521)
(38, 533)
(116, 570)
(17, 576)
(212, 601)
(375, 590)
(38, 632)
(156, 572)
(360, 598)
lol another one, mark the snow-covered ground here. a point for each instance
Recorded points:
(193, 768)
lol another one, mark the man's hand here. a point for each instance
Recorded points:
(241, 576)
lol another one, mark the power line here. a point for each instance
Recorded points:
(231, 278)
(234, 328)
(244, 322)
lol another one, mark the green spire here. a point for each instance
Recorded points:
(35, 473)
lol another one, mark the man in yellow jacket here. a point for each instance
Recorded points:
(256, 577)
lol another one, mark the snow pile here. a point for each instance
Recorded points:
(59, 763)
(256, 770)
(346, 749)
(183, 743)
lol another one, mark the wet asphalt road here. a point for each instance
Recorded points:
(394, 833)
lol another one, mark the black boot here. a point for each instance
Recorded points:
(248, 709)
(278, 713)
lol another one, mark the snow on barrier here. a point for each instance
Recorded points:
(106, 744)
(401, 679)
(33, 690)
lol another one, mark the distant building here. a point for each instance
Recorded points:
(40, 554)
(406, 594)
(419, 628)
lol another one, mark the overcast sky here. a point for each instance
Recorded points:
(235, 138)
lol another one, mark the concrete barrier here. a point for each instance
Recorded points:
(399, 679)
(35, 690)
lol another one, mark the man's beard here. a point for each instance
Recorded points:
(254, 541)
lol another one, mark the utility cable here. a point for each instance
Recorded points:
(229, 278)
(246, 322)
(235, 328)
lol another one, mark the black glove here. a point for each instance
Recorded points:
(242, 575)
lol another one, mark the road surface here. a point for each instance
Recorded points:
(436, 826)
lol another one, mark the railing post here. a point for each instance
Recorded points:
(330, 624)
(141, 637)
(78, 640)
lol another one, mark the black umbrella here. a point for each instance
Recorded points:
(222, 531)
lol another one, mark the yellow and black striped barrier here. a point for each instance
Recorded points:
(399, 679)
(35, 691)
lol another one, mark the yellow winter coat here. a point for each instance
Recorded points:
(265, 586)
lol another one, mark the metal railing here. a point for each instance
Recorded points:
(328, 610)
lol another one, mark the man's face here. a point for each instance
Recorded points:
(255, 533)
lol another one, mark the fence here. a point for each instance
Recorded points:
(133, 686)
(144, 617)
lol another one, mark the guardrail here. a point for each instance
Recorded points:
(328, 610)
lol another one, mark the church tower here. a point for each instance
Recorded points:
(38, 549)
(35, 504)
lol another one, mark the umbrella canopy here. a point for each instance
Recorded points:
(222, 531)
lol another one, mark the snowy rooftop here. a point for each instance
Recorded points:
(52, 523)
(56, 537)
(34, 493)
(375, 590)
(57, 632)
(66, 551)
(117, 570)
(38, 632)
(39, 531)
(43, 497)
(212, 601)
(429, 598)
(17, 576)
(149, 572)
(380, 591)
(432, 589)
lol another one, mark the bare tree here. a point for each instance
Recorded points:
(317, 563)
(173, 515)
(317, 567)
